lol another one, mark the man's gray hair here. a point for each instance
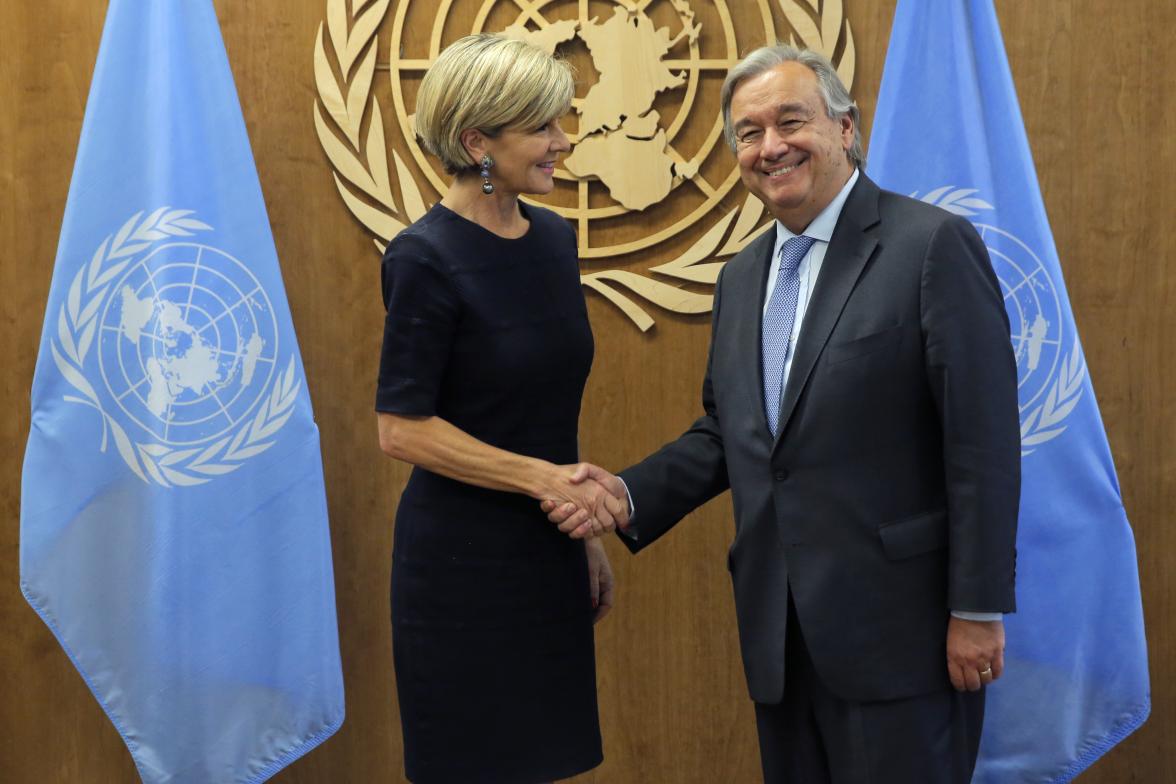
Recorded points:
(838, 102)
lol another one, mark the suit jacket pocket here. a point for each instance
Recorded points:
(914, 535)
(859, 347)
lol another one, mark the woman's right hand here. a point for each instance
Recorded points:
(599, 510)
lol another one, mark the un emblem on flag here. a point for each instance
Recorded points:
(1050, 368)
(175, 341)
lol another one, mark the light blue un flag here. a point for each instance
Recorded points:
(948, 130)
(173, 518)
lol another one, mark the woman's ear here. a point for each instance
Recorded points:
(474, 142)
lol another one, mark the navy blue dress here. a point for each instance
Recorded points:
(491, 615)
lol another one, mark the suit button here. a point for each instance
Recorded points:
(781, 475)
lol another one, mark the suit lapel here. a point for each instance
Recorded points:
(849, 250)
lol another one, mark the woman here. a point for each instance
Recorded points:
(486, 350)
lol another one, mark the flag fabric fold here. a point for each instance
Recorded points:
(174, 532)
(948, 130)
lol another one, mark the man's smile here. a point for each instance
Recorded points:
(781, 170)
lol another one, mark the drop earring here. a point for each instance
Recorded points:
(487, 186)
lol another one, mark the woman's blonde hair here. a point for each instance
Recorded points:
(490, 83)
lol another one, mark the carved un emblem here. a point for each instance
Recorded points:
(648, 175)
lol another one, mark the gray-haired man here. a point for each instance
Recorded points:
(860, 402)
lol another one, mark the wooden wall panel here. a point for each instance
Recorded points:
(52, 728)
(1095, 85)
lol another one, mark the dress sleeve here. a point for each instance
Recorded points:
(422, 311)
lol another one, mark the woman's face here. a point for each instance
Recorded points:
(524, 158)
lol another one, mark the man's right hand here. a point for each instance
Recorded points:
(576, 521)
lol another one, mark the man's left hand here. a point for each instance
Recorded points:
(975, 652)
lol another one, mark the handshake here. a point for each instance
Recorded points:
(585, 501)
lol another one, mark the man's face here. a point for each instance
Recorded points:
(792, 155)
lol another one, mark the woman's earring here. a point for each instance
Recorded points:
(487, 186)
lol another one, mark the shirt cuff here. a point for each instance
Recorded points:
(630, 532)
(965, 615)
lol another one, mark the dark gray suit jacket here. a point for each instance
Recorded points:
(891, 493)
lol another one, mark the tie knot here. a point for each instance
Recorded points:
(793, 251)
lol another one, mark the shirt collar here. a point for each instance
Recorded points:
(822, 226)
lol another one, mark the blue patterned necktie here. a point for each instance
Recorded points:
(778, 321)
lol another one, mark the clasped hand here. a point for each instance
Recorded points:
(587, 501)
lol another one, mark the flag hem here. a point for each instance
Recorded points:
(43, 614)
(299, 751)
(270, 770)
(1129, 725)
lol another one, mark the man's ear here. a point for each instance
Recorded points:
(847, 131)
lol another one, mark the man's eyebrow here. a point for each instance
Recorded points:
(781, 109)
(789, 108)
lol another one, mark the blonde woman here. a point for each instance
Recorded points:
(486, 350)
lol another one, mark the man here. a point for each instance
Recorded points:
(861, 404)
